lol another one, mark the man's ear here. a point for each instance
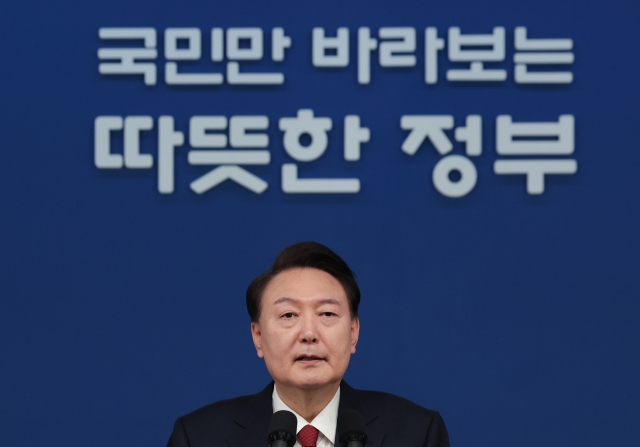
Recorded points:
(355, 333)
(256, 334)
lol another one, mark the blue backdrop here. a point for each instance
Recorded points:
(515, 315)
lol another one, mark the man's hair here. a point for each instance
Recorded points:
(305, 255)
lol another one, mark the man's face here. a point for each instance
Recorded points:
(305, 332)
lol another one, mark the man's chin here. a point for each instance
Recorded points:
(312, 381)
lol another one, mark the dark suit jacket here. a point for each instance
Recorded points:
(244, 421)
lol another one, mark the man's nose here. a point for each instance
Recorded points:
(309, 337)
(308, 331)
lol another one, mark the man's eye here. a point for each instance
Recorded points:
(288, 315)
(327, 314)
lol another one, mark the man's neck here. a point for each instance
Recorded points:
(307, 403)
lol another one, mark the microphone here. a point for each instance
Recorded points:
(282, 429)
(351, 432)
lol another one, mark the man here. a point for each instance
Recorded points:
(304, 323)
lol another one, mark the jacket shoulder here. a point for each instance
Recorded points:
(404, 423)
(209, 425)
(222, 410)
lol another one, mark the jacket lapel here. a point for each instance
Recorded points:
(351, 399)
(254, 418)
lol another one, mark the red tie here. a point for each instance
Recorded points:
(308, 436)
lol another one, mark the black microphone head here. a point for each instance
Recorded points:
(283, 427)
(351, 428)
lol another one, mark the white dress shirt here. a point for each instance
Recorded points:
(325, 421)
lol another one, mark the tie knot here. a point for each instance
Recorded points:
(308, 436)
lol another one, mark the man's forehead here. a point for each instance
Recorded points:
(306, 284)
(304, 280)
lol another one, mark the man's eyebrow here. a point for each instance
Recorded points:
(286, 299)
(329, 301)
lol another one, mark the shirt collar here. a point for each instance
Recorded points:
(325, 421)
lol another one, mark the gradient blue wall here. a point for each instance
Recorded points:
(514, 315)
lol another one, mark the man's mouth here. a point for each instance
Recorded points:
(308, 358)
